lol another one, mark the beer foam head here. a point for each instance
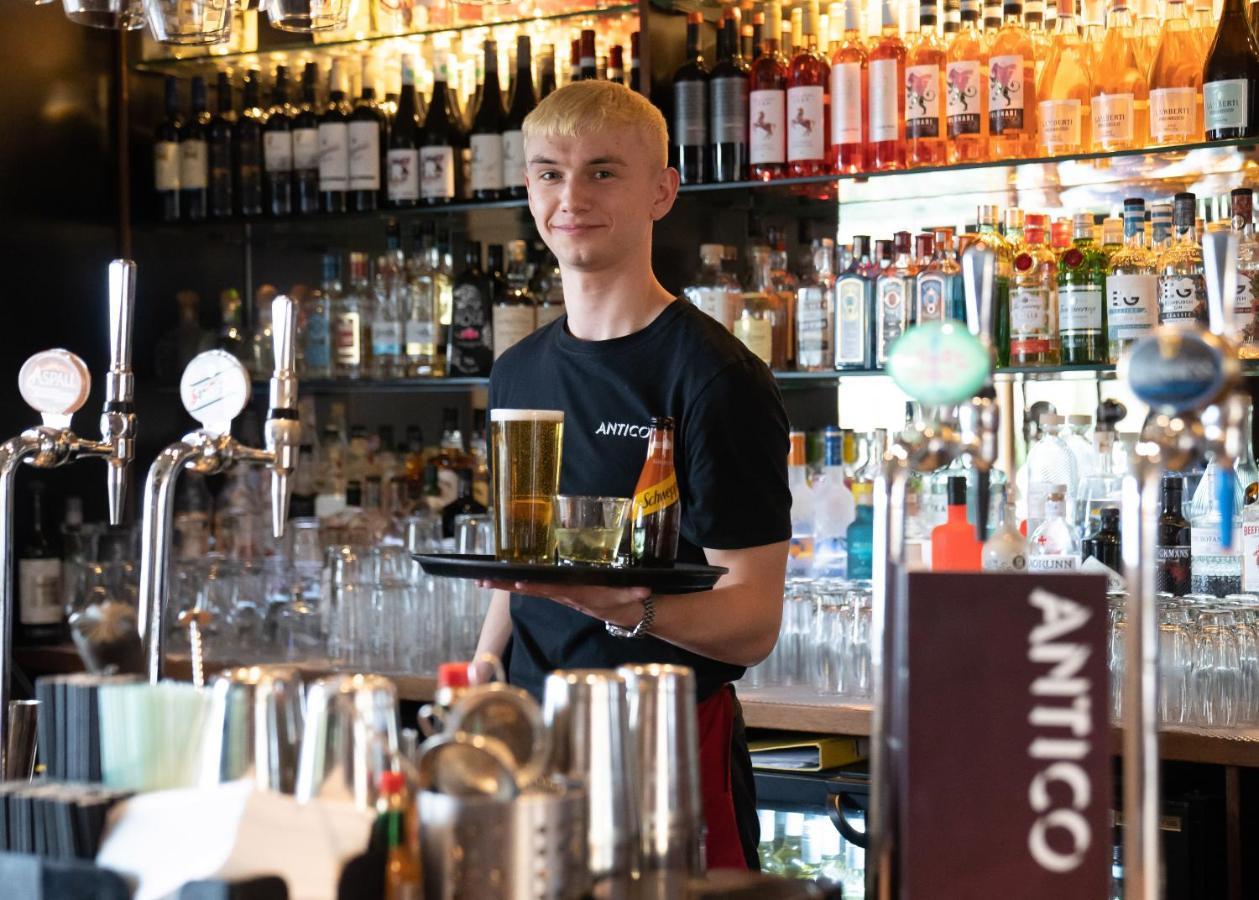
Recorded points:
(526, 415)
(588, 107)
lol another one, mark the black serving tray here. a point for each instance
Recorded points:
(680, 578)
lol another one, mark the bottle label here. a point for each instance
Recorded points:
(963, 83)
(1112, 119)
(404, 175)
(348, 339)
(1182, 300)
(277, 151)
(1204, 540)
(1053, 562)
(386, 338)
(884, 90)
(806, 138)
(729, 111)
(1131, 306)
(1172, 115)
(318, 344)
(850, 347)
(657, 497)
(1244, 304)
(813, 327)
(420, 338)
(1250, 556)
(305, 149)
(193, 166)
(846, 103)
(757, 335)
(437, 173)
(334, 156)
(364, 156)
(513, 159)
(690, 113)
(1059, 124)
(1226, 104)
(487, 162)
(892, 314)
(1172, 565)
(1003, 558)
(39, 591)
(931, 299)
(767, 142)
(166, 166)
(511, 324)
(1114, 581)
(715, 301)
(1079, 308)
(1006, 94)
(922, 101)
(1029, 312)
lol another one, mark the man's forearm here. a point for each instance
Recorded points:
(496, 629)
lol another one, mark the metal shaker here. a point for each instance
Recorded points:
(254, 727)
(350, 737)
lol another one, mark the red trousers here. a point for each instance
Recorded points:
(716, 727)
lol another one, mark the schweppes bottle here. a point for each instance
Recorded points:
(656, 515)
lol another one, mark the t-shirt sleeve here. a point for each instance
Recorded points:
(735, 480)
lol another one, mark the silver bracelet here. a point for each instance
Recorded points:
(643, 626)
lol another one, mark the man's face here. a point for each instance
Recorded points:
(594, 198)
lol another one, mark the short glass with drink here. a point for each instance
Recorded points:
(588, 529)
(525, 447)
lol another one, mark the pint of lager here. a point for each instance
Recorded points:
(526, 447)
(657, 507)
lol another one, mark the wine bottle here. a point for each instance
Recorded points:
(277, 137)
(166, 154)
(1012, 88)
(247, 137)
(967, 105)
(1175, 82)
(924, 89)
(1230, 79)
(767, 103)
(616, 63)
(219, 151)
(442, 142)
(688, 138)
(806, 102)
(635, 75)
(471, 351)
(40, 608)
(588, 63)
(487, 133)
(306, 146)
(728, 104)
(404, 143)
(886, 148)
(367, 135)
(334, 144)
(194, 172)
(1121, 91)
(849, 86)
(546, 71)
(522, 103)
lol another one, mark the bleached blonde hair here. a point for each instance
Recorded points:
(588, 107)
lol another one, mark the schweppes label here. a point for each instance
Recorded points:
(657, 497)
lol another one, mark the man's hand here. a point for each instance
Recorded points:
(620, 606)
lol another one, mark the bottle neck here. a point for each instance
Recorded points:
(957, 514)
(660, 446)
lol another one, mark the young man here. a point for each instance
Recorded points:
(627, 350)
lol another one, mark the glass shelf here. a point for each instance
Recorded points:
(338, 386)
(279, 53)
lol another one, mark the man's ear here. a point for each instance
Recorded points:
(666, 192)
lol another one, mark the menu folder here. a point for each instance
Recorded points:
(794, 752)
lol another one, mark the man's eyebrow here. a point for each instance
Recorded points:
(541, 161)
(606, 161)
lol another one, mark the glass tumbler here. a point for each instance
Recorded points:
(308, 15)
(189, 22)
(588, 529)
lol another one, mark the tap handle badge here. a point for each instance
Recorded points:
(214, 390)
(1219, 258)
(55, 383)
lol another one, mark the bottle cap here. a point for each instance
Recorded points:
(1014, 218)
(452, 674)
(1051, 419)
(957, 490)
(924, 245)
(392, 783)
(796, 456)
(901, 241)
(1079, 420)
(1110, 518)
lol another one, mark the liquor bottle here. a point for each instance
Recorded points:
(1182, 295)
(1012, 88)
(588, 61)
(800, 547)
(854, 309)
(521, 104)
(442, 142)
(40, 610)
(1102, 488)
(635, 72)
(992, 24)
(966, 109)
(849, 87)
(940, 290)
(1175, 82)
(1101, 549)
(924, 89)
(306, 146)
(486, 135)
(231, 336)
(1172, 553)
(166, 159)
(954, 547)
(758, 322)
(392, 292)
(1121, 93)
(421, 321)
(1034, 20)
(248, 149)
(767, 103)
(1053, 546)
(688, 136)
(713, 291)
(807, 123)
(886, 141)
(470, 348)
(1034, 300)
(1006, 548)
(1081, 291)
(277, 147)
(656, 512)
(194, 173)
(317, 323)
(515, 309)
(1213, 568)
(1246, 304)
(367, 127)
(894, 291)
(860, 537)
(403, 167)
(351, 329)
(1065, 93)
(815, 311)
(334, 143)
(991, 238)
(1049, 462)
(728, 105)
(927, 303)
(219, 152)
(546, 72)
(1131, 285)
(1230, 79)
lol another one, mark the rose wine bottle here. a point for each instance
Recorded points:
(767, 103)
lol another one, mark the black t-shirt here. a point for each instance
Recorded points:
(730, 440)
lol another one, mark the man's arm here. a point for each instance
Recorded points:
(495, 633)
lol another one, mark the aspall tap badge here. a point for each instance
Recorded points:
(54, 382)
(214, 389)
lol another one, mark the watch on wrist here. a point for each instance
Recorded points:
(644, 625)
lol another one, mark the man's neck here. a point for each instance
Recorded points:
(606, 305)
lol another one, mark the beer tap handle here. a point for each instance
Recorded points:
(283, 428)
(979, 273)
(118, 419)
(1219, 258)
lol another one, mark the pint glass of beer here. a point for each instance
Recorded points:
(526, 472)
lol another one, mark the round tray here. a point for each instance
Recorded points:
(680, 578)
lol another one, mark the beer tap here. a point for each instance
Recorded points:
(215, 389)
(56, 384)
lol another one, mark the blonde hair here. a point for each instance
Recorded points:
(588, 107)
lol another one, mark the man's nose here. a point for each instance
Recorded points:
(575, 197)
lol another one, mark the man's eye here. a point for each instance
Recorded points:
(602, 174)
(549, 176)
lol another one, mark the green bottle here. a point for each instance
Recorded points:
(1081, 298)
(990, 236)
